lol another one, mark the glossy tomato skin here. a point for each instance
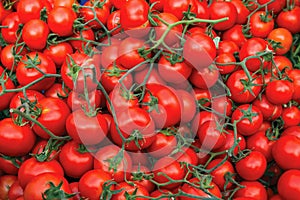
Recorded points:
(261, 24)
(242, 11)
(228, 10)
(88, 130)
(30, 9)
(8, 84)
(26, 75)
(6, 181)
(35, 34)
(59, 52)
(275, 6)
(197, 47)
(39, 184)
(74, 154)
(204, 78)
(162, 145)
(253, 189)
(252, 167)
(32, 167)
(130, 121)
(223, 59)
(227, 47)
(270, 111)
(288, 184)
(77, 101)
(102, 14)
(102, 161)
(12, 21)
(236, 35)
(245, 126)
(213, 190)
(130, 189)
(3, 12)
(294, 75)
(178, 7)
(283, 36)
(58, 91)
(279, 91)
(15, 140)
(113, 21)
(170, 167)
(61, 17)
(91, 183)
(15, 191)
(220, 172)
(32, 96)
(53, 111)
(291, 116)
(285, 150)
(7, 59)
(290, 19)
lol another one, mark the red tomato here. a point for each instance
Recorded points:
(30, 9)
(35, 34)
(261, 24)
(187, 105)
(279, 91)
(241, 89)
(12, 21)
(64, 3)
(85, 129)
(31, 95)
(54, 113)
(92, 182)
(227, 46)
(294, 75)
(137, 126)
(15, 140)
(32, 167)
(109, 55)
(74, 154)
(15, 191)
(288, 184)
(242, 11)
(101, 14)
(3, 12)
(270, 111)
(204, 78)
(39, 187)
(276, 6)
(60, 21)
(222, 105)
(178, 7)
(163, 105)
(163, 144)
(136, 177)
(290, 19)
(106, 160)
(48, 148)
(291, 116)
(59, 52)
(7, 58)
(5, 98)
(224, 59)
(199, 47)
(9, 165)
(78, 100)
(285, 150)
(283, 37)
(134, 190)
(249, 119)
(219, 174)
(292, 130)
(228, 10)
(170, 168)
(236, 35)
(58, 91)
(27, 73)
(6, 182)
(253, 189)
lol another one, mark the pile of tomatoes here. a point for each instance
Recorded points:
(159, 99)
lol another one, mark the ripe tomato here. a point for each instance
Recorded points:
(285, 150)
(290, 19)
(78, 101)
(30, 9)
(50, 148)
(113, 21)
(108, 160)
(101, 14)
(241, 88)
(178, 7)
(58, 91)
(12, 21)
(74, 154)
(169, 167)
(242, 11)
(86, 129)
(252, 189)
(211, 136)
(294, 75)
(173, 36)
(276, 6)
(292, 130)
(261, 24)
(109, 55)
(91, 184)
(228, 10)
(204, 78)
(32, 167)
(222, 105)
(74, 70)
(270, 111)
(128, 189)
(35, 34)
(249, 119)
(212, 189)
(163, 144)
(59, 52)
(227, 47)
(197, 47)
(137, 126)
(7, 56)
(187, 105)
(27, 73)
(163, 105)
(6, 182)
(39, 187)
(15, 140)
(225, 58)
(54, 113)
(136, 177)
(252, 167)
(236, 35)
(219, 174)
(291, 116)
(288, 184)
(283, 37)
(281, 63)
(60, 21)
(3, 12)
(32, 96)
(251, 48)
(8, 164)
(5, 98)
(15, 191)
(279, 91)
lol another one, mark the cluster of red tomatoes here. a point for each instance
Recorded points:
(167, 99)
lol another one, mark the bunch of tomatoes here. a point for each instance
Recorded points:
(158, 99)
